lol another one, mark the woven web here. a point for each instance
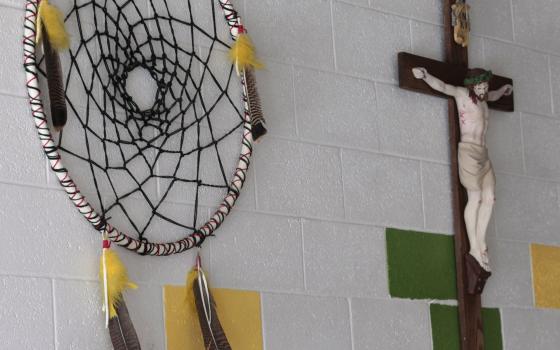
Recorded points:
(164, 167)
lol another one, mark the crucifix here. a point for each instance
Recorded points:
(470, 93)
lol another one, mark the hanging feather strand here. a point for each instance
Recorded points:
(122, 332)
(53, 34)
(242, 54)
(114, 279)
(213, 334)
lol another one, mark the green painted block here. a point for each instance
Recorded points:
(445, 328)
(492, 325)
(420, 265)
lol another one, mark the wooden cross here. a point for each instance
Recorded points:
(453, 71)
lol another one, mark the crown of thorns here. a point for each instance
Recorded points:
(484, 77)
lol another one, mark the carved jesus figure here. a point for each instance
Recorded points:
(475, 169)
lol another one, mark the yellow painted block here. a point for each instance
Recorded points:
(239, 313)
(546, 275)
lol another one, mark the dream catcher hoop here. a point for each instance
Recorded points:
(134, 154)
(152, 54)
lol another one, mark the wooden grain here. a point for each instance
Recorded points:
(448, 72)
(470, 315)
(453, 71)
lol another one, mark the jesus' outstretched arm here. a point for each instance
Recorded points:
(435, 83)
(495, 95)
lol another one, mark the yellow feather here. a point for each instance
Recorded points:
(117, 279)
(53, 20)
(38, 29)
(242, 53)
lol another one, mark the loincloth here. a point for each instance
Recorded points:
(474, 164)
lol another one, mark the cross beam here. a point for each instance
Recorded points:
(452, 72)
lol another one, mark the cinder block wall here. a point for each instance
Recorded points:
(348, 154)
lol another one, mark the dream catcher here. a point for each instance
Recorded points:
(148, 102)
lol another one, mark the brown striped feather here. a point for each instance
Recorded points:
(55, 83)
(122, 332)
(213, 334)
(258, 127)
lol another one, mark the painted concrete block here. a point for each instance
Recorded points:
(504, 142)
(305, 322)
(83, 329)
(60, 243)
(382, 190)
(413, 124)
(130, 10)
(255, 251)
(336, 109)
(145, 306)
(109, 181)
(554, 62)
(536, 24)
(476, 51)
(390, 324)
(14, 3)
(436, 194)
(12, 76)
(510, 283)
(288, 23)
(540, 136)
(49, 230)
(426, 10)
(276, 90)
(420, 265)
(376, 39)
(526, 210)
(446, 333)
(545, 263)
(529, 71)
(23, 159)
(217, 166)
(364, 3)
(530, 329)
(345, 267)
(424, 36)
(239, 313)
(160, 270)
(492, 19)
(291, 179)
(76, 87)
(26, 313)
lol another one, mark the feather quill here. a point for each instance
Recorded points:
(213, 334)
(122, 332)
